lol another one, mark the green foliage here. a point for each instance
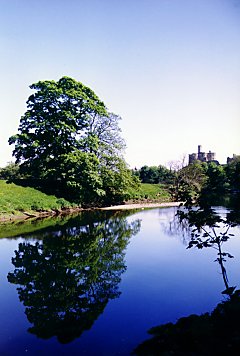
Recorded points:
(67, 135)
(189, 181)
(216, 177)
(10, 171)
(55, 124)
(80, 172)
(15, 199)
(205, 178)
(154, 174)
(232, 170)
(118, 182)
(93, 183)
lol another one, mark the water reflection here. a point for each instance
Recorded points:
(171, 225)
(203, 227)
(67, 278)
(210, 228)
(215, 333)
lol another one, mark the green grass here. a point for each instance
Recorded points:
(15, 199)
(152, 192)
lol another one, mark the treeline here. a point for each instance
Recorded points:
(184, 183)
(155, 174)
(199, 177)
(206, 178)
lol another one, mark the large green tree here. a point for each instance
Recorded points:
(56, 121)
(63, 116)
(67, 134)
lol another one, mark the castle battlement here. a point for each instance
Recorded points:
(202, 156)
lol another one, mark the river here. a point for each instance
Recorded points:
(95, 283)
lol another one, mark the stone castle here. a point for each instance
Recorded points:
(202, 156)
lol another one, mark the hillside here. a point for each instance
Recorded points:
(16, 201)
(152, 193)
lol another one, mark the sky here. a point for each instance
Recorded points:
(169, 68)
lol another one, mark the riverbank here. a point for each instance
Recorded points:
(19, 203)
(22, 203)
(45, 214)
(37, 214)
(142, 206)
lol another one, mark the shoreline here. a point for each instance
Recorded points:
(141, 206)
(36, 215)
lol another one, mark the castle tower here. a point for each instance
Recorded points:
(192, 158)
(210, 156)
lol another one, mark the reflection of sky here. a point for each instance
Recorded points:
(11, 310)
(163, 282)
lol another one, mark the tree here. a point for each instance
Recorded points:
(58, 120)
(165, 175)
(102, 136)
(67, 135)
(232, 170)
(216, 177)
(80, 171)
(189, 181)
(155, 174)
(118, 182)
(10, 171)
(149, 174)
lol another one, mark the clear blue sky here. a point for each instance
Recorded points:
(169, 68)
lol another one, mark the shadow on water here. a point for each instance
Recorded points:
(215, 333)
(66, 278)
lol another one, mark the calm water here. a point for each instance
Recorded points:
(94, 284)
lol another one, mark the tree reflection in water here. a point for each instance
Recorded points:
(173, 227)
(67, 279)
(215, 333)
(204, 227)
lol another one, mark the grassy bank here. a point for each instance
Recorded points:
(18, 202)
(152, 193)
(14, 200)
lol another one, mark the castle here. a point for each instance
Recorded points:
(202, 156)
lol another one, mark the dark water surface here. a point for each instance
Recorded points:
(95, 283)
